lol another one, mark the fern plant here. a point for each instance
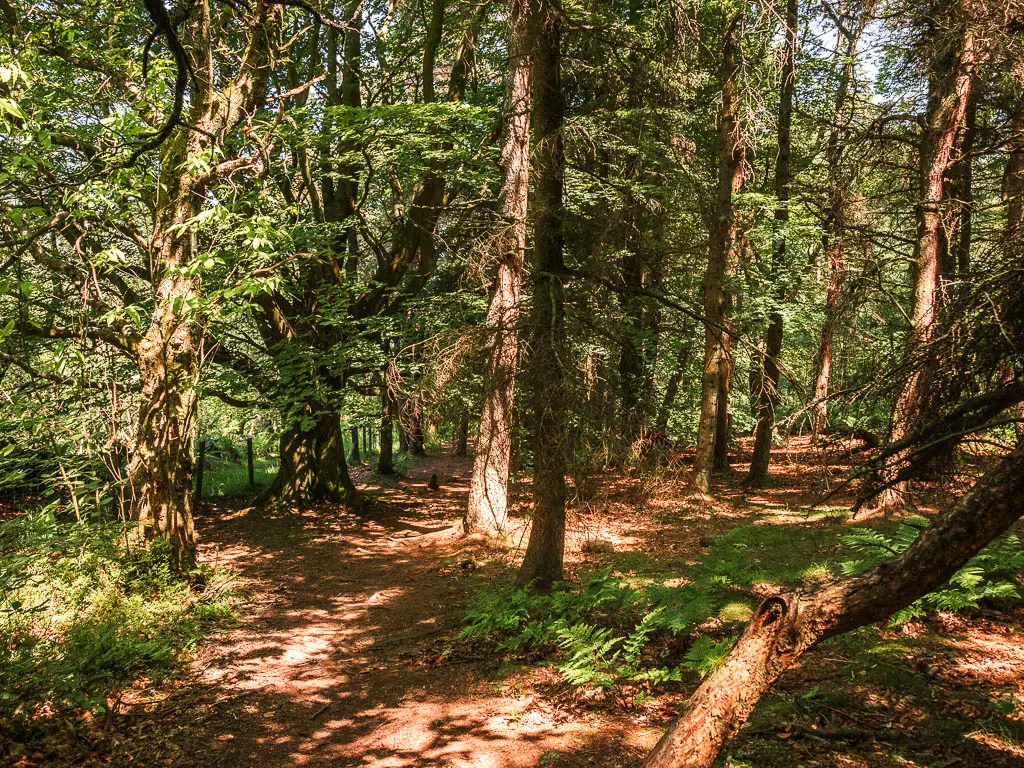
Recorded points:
(706, 654)
(990, 574)
(600, 631)
(634, 645)
(592, 653)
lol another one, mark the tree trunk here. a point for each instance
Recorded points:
(462, 436)
(633, 376)
(403, 432)
(416, 437)
(313, 467)
(834, 237)
(170, 353)
(488, 490)
(1014, 194)
(1014, 180)
(388, 409)
(542, 564)
(720, 454)
(784, 628)
(722, 235)
(767, 391)
(430, 45)
(354, 457)
(950, 90)
(823, 359)
(954, 262)
(963, 193)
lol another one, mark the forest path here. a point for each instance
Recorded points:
(342, 653)
(335, 659)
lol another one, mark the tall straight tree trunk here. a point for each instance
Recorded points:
(1014, 194)
(633, 376)
(964, 193)
(386, 457)
(767, 390)
(462, 434)
(720, 453)
(722, 235)
(542, 564)
(954, 262)
(1014, 180)
(949, 93)
(488, 490)
(784, 628)
(170, 352)
(388, 410)
(354, 457)
(835, 224)
(836, 256)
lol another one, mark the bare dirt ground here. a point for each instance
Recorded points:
(339, 658)
(342, 653)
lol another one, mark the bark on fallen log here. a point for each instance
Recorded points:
(784, 628)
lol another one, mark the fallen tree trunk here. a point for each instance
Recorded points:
(784, 628)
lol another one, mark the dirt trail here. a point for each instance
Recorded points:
(341, 655)
(334, 661)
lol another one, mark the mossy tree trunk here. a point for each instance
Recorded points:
(313, 467)
(169, 355)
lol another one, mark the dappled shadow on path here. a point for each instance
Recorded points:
(339, 659)
(343, 657)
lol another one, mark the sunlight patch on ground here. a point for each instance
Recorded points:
(998, 741)
(990, 656)
(466, 733)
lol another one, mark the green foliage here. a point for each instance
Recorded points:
(86, 609)
(991, 574)
(590, 654)
(706, 654)
(224, 478)
(616, 627)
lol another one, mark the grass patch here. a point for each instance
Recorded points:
(636, 620)
(85, 610)
(642, 564)
(224, 478)
(647, 620)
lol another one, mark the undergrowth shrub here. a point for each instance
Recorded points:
(85, 610)
(617, 627)
(620, 627)
(992, 574)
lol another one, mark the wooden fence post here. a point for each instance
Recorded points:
(199, 471)
(249, 459)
